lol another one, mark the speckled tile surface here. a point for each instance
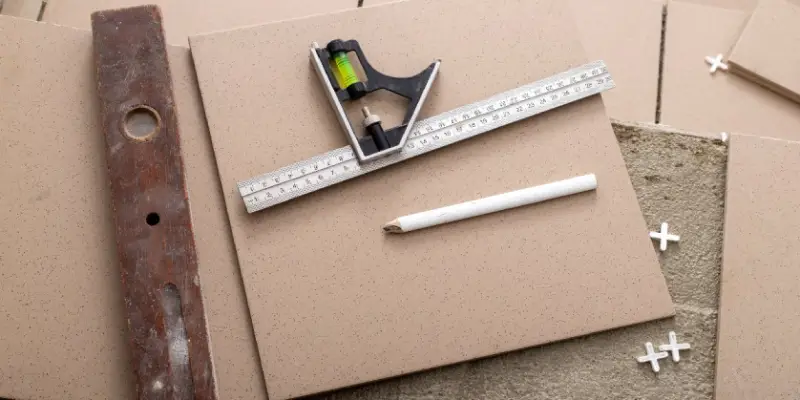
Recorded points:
(28, 9)
(188, 17)
(61, 318)
(759, 322)
(773, 22)
(336, 303)
(626, 34)
(740, 5)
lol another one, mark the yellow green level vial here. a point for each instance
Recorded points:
(344, 71)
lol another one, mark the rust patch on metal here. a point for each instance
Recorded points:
(166, 319)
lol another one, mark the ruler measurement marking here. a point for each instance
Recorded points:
(427, 135)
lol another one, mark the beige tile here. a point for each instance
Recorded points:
(334, 301)
(187, 17)
(759, 323)
(370, 3)
(762, 52)
(741, 5)
(28, 9)
(62, 325)
(695, 100)
(626, 34)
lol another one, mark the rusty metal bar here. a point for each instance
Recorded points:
(166, 320)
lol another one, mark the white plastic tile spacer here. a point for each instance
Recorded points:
(716, 62)
(664, 236)
(652, 357)
(724, 136)
(674, 347)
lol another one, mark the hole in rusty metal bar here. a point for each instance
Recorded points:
(153, 219)
(178, 343)
(142, 123)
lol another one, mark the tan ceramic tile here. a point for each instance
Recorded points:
(187, 17)
(334, 301)
(695, 100)
(370, 3)
(741, 5)
(62, 332)
(28, 9)
(759, 323)
(763, 53)
(626, 34)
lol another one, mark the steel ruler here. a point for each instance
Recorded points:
(433, 133)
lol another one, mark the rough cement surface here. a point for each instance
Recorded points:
(679, 179)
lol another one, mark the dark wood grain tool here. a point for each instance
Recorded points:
(166, 319)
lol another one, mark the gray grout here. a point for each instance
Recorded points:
(41, 11)
(660, 85)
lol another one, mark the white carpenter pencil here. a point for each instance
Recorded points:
(500, 202)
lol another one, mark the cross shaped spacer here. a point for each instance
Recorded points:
(664, 236)
(716, 62)
(652, 357)
(674, 347)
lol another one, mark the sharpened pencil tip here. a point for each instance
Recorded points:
(392, 227)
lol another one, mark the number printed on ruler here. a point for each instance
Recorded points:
(301, 177)
(430, 134)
